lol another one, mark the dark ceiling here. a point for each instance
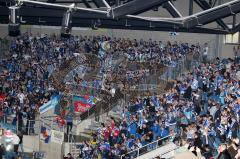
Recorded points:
(127, 14)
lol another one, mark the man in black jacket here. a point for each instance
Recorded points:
(30, 121)
(188, 92)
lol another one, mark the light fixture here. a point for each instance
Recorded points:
(14, 21)
(66, 24)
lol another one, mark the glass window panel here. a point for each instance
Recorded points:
(232, 38)
(235, 38)
(228, 38)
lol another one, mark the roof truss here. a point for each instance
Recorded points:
(124, 14)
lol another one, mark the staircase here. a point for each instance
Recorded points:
(103, 109)
(106, 104)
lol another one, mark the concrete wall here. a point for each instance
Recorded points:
(32, 143)
(132, 34)
(227, 51)
(53, 150)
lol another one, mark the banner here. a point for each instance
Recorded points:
(39, 154)
(57, 137)
(83, 103)
(45, 134)
(49, 105)
(81, 107)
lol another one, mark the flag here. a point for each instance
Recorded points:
(82, 103)
(45, 134)
(50, 104)
(81, 107)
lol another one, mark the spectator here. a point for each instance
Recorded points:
(69, 156)
(69, 120)
(201, 107)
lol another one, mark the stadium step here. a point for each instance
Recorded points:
(115, 116)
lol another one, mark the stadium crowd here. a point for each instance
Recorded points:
(202, 107)
(31, 59)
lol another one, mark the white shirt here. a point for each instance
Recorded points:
(194, 85)
(21, 97)
(16, 140)
(205, 51)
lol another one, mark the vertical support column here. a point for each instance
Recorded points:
(234, 21)
(190, 7)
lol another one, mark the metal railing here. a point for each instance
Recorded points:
(27, 127)
(144, 87)
(75, 89)
(148, 147)
(7, 122)
(176, 71)
(167, 152)
(103, 105)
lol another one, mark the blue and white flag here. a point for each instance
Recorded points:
(50, 104)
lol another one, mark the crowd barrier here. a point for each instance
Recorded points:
(148, 147)
(82, 90)
(27, 127)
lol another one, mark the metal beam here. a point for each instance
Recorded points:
(172, 10)
(155, 19)
(210, 15)
(106, 4)
(99, 3)
(27, 11)
(208, 30)
(66, 1)
(135, 6)
(234, 21)
(87, 4)
(58, 6)
(46, 13)
(128, 24)
(39, 13)
(203, 17)
(190, 12)
(214, 3)
(235, 29)
(205, 5)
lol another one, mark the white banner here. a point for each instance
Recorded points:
(57, 136)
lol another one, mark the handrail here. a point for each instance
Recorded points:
(167, 152)
(87, 87)
(27, 125)
(147, 145)
(93, 109)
